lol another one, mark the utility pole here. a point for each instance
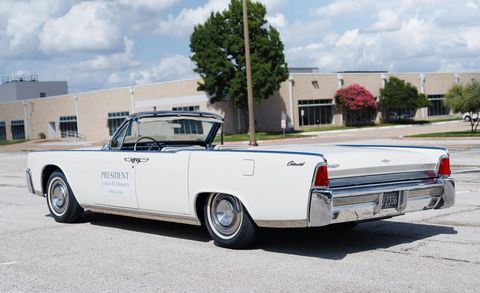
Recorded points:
(251, 115)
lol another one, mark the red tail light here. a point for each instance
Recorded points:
(444, 168)
(321, 177)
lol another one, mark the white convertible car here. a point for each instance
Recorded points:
(165, 166)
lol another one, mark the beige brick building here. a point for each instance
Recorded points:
(306, 99)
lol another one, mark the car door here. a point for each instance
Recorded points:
(161, 180)
(113, 173)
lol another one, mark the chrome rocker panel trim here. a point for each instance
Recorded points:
(31, 189)
(144, 214)
(330, 206)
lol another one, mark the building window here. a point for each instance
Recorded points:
(68, 126)
(3, 131)
(18, 129)
(43, 95)
(186, 108)
(188, 126)
(437, 107)
(315, 112)
(115, 119)
(364, 116)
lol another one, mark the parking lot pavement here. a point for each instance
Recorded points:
(427, 251)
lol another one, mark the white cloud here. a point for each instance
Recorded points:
(86, 26)
(116, 61)
(114, 78)
(278, 20)
(169, 68)
(338, 7)
(182, 24)
(473, 4)
(22, 21)
(149, 4)
(387, 19)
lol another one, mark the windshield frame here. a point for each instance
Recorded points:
(217, 124)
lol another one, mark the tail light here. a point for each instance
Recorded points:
(444, 168)
(321, 176)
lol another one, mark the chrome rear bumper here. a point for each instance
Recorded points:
(357, 203)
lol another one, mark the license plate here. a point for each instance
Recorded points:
(390, 199)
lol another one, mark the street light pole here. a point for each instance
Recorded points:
(251, 117)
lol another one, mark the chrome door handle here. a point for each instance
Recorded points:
(130, 160)
(139, 160)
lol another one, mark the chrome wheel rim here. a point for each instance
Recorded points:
(225, 215)
(58, 196)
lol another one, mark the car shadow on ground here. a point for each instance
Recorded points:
(325, 242)
(331, 243)
(160, 228)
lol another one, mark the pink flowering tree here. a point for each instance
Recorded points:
(354, 99)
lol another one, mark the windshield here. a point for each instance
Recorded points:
(166, 131)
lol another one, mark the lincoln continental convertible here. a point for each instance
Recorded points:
(166, 166)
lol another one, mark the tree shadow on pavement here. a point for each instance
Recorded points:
(329, 243)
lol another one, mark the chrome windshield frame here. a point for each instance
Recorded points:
(217, 124)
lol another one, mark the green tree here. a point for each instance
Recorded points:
(400, 96)
(465, 99)
(219, 55)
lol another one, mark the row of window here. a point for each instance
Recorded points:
(16, 127)
(69, 127)
(320, 111)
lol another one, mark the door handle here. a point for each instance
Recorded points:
(140, 160)
(130, 160)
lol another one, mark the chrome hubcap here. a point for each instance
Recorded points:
(225, 215)
(58, 196)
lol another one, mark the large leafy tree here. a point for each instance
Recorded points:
(219, 54)
(355, 98)
(465, 99)
(400, 96)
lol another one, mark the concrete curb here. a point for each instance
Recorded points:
(379, 127)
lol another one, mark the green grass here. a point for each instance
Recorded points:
(7, 142)
(448, 134)
(433, 120)
(259, 136)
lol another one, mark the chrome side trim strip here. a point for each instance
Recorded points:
(281, 223)
(143, 214)
(31, 189)
(413, 171)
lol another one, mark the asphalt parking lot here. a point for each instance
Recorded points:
(428, 251)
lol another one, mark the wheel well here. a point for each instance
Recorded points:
(47, 171)
(199, 203)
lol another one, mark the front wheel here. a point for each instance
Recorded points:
(227, 221)
(61, 202)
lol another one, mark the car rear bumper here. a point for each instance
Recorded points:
(329, 206)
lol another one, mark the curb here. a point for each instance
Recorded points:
(379, 127)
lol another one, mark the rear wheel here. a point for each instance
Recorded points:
(227, 221)
(61, 202)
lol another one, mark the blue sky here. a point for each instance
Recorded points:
(104, 44)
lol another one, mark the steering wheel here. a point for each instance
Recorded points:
(149, 138)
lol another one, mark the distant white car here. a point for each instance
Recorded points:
(469, 116)
(165, 166)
